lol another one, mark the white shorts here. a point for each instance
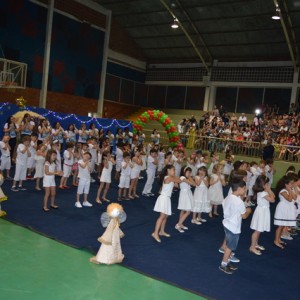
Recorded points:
(49, 180)
(20, 173)
(5, 163)
(67, 171)
(124, 182)
(83, 186)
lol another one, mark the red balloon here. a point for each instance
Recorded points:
(168, 121)
(173, 129)
(150, 112)
(159, 115)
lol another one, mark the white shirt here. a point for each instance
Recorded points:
(12, 132)
(67, 160)
(151, 167)
(127, 170)
(32, 148)
(233, 208)
(83, 173)
(4, 153)
(119, 155)
(21, 157)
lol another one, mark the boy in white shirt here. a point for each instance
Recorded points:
(5, 155)
(152, 163)
(84, 175)
(125, 177)
(234, 211)
(68, 164)
(21, 164)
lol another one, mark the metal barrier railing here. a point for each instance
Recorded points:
(246, 148)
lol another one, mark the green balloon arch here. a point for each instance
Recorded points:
(164, 120)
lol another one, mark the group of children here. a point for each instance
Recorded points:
(250, 184)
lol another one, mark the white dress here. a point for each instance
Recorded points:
(215, 192)
(106, 173)
(39, 166)
(163, 202)
(201, 204)
(185, 196)
(49, 180)
(285, 212)
(135, 171)
(261, 220)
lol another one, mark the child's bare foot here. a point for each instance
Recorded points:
(210, 215)
(136, 196)
(94, 261)
(98, 200)
(38, 189)
(105, 199)
(130, 197)
(255, 251)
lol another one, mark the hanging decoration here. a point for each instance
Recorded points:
(7, 109)
(21, 102)
(163, 119)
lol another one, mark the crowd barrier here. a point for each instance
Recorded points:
(246, 148)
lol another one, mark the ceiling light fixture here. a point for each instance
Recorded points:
(276, 16)
(175, 23)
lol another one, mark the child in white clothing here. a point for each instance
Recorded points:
(135, 173)
(125, 177)
(261, 220)
(152, 163)
(30, 160)
(185, 198)
(5, 155)
(215, 191)
(50, 170)
(21, 164)
(163, 202)
(84, 175)
(201, 204)
(68, 164)
(105, 179)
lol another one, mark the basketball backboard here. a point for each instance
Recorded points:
(12, 74)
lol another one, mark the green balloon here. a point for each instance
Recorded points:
(168, 126)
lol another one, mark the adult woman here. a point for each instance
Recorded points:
(155, 136)
(11, 128)
(44, 131)
(83, 134)
(71, 133)
(93, 131)
(27, 125)
(58, 133)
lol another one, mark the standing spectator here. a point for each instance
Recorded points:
(268, 151)
(11, 128)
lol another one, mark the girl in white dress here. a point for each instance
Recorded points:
(201, 203)
(39, 165)
(185, 197)
(285, 209)
(261, 219)
(163, 202)
(215, 191)
(50, 170)
(191, 163)
(214, 157)
(135, 173)
(105, 179)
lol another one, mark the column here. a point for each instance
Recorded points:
(43, 94)
(104, 65)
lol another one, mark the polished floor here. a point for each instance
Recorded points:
(34, 267)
